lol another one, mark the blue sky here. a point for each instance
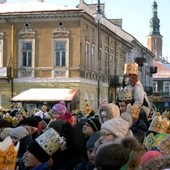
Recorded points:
(135, 14)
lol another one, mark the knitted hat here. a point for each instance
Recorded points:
(29, 121)
(19, 132)
(118, 126)
(56, 125)
(148, 155)
(159, 124)
(59, 108)
(45, 145)
(108, 111)
(164, 145)
(91, 141)
(159, 163)
(94, 123)
(116, 155)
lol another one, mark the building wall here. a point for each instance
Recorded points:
(78, 30)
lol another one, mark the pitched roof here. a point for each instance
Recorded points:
(23, 6)
(162, 70)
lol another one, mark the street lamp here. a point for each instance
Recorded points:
(98, 17)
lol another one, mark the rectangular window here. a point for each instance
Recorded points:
(93, 63)
(60, 53)
(26, 53)
(166, 87)
(1, 53)
(87, 56)
(106, 63)
(155, 86)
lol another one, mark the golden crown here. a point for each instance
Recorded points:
(8, 154)
(131, 68)
(135, 111)
(125, 94)
(159, 124)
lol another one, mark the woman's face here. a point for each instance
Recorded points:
(106, 136)
(127, 80)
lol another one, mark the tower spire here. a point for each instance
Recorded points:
(154, 21)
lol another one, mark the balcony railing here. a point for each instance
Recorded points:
(163, 94)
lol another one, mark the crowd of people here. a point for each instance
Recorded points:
(120, 136)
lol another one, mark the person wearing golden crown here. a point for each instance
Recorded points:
(139, 96)
(132, 98)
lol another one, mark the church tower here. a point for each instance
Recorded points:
(154, 42)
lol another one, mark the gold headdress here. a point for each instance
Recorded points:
(135, 111)
(131, 68)
(125, 94)
(8, 154)
(159, 124)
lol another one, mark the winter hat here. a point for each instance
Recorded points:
(159, 163)
(4, 123)
(45, 145)
(59, 109)
(117, 155)
(118, 126)
(19, 132)
(91, 141)
(56, 125)
(108, 110)
(148, 155)
(30, 121)
(94, 123)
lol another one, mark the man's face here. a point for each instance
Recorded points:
(122, 107)
(87, 129)
(91, 155)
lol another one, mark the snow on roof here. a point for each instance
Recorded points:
(162, 70)
(25, 6)
(45, 94)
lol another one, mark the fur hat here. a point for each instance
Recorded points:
(117, 155)
(94, 123)
(59, 108)
(148, 155)
(91, 141)
(118, 126)
(19, 132)
(45, 145)
(108, 111)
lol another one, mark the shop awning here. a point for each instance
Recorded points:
(45, 95)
